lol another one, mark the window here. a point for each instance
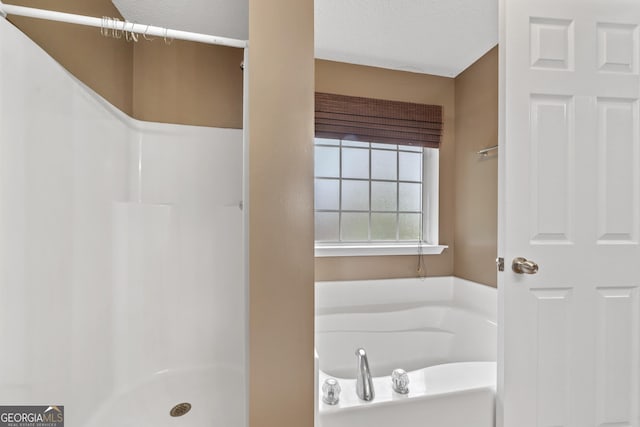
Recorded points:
(369, 194)
(376, 176)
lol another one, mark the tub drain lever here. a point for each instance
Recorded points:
(400, 381)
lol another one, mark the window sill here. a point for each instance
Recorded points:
(328, 250)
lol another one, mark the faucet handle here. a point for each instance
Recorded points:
(400, 381)
(331, 391)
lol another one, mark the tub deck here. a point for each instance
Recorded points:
(442, 331)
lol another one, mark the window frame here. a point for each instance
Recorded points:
(429, 245)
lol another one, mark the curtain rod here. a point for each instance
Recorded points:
(149, 30)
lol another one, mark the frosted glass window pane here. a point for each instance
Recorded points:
(327, 194)
(355, 195)
(410, 197)
(384, 196)
(361, 180)
(409, 226)
(327, 162)
(384, 146)
(410, 166)
(327, 141)
(355, 226)
(355, 163)
(347, 143)
(327, 229)
(384, 164)
(383, 226)
(411, 148)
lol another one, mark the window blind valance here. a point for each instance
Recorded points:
(377, 120)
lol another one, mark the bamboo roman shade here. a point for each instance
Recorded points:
(377, 120)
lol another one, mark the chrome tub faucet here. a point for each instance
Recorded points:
(364, 381)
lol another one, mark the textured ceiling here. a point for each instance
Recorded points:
(441, 37)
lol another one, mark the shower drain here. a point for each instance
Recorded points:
(180, 409)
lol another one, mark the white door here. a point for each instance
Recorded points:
(570, 198)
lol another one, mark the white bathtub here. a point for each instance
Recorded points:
(442, 331)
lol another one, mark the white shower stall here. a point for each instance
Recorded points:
(121, 255)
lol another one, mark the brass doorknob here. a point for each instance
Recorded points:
(522, 266)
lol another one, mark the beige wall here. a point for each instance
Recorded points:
(281, 99)
(184, 82)
(476, 189)
(357, 80)
(187, 83)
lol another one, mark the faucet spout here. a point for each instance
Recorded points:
(364, 381)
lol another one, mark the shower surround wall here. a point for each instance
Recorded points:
(120, 254)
